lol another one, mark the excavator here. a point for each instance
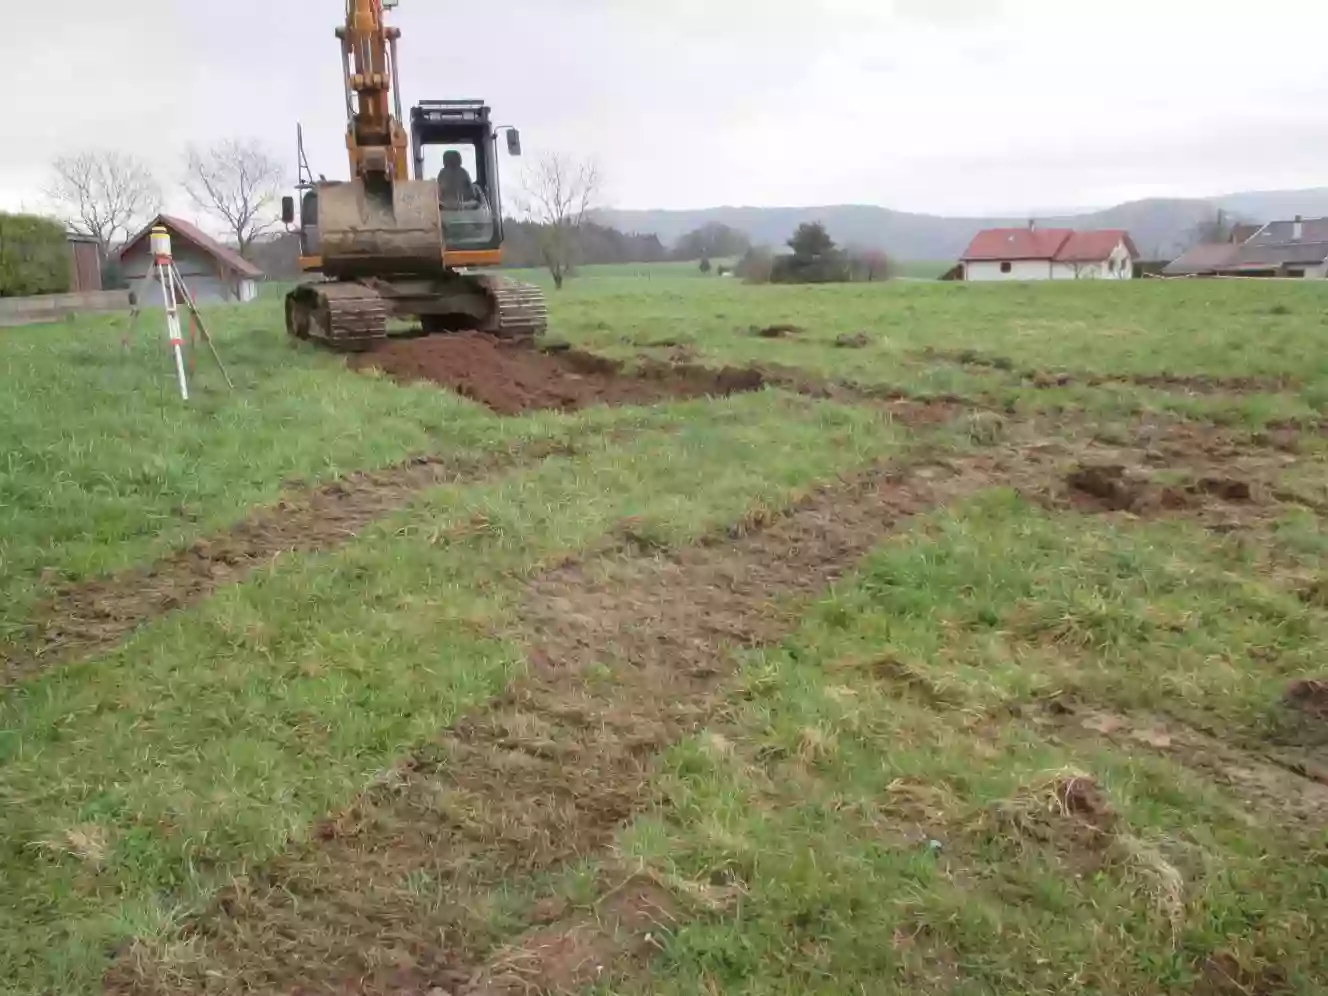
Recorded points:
(385, 245)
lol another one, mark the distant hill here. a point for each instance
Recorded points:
(1161, 227)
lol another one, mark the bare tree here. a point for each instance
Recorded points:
(557, 194)
(103, 193)
(867, 263)
(238, 182)
(1213, 228)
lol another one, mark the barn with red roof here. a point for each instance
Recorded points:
(1034, 253)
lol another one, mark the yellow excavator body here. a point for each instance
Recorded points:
(380, 239)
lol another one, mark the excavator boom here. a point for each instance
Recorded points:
(381, 222)
(375, 136)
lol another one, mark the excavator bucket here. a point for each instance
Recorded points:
(372, 229)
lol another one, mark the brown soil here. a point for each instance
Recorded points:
(516, 377)
(1310, 696)
(916, 410)
(1186, 383)
(1223, 974)
(1285, 786)
(628, 653)
(1113, 488)
(1226, 483)
(775, 331)
(87, 617)
(627, 925)
(1196, 383)
(1069, 815)
(1314, 592)
(1081, 798)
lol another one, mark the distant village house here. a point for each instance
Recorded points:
(1295, 248)
(211, 271)
(1034, 253)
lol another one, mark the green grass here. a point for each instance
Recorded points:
(213, 735)
(835, 773)
(1195, 328)
(105, 466)
(905, 709)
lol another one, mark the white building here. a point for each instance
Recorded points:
(1034, 253)
(211, 271)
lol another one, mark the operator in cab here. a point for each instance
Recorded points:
(455, 189)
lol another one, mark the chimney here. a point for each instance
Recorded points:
(1297, 229)
(1032, 224)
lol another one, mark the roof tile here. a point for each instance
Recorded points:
(1016, 243)
(192, 233)
(1090, 247)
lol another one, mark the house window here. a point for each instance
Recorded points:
(1295, 273)
(1006, 267)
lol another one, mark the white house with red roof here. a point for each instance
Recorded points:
(1034, 253)
(211, 271)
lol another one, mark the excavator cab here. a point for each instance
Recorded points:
(454, 144)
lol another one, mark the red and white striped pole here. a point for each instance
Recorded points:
(160, 242)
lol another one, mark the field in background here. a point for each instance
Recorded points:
(977, 649)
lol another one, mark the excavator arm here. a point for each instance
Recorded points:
(375, 137)
(382, 222)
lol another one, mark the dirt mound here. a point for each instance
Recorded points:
(1081, 797)
(1112, 487)
(1118, 489)
(516, 377)
(1310, 695)
(775, 331)
(1226, 488)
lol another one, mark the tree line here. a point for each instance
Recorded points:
(109, 195)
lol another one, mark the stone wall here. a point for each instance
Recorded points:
(53, 307)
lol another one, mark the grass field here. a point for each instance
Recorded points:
(980, 651)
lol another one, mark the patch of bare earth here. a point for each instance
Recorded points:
(1277, 784)
(512, 377)
(627, 923)
(1310, 696)
(1182, 383)
(628, 653)
(910, 408)
(1068, 811)
(1193, 470)
(83, 618)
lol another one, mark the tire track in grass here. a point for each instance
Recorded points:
(412, 888)
(421, 883)
(84, 618)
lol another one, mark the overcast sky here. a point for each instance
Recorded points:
(949, 106)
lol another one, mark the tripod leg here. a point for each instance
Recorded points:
(173, 326)
(202, 326)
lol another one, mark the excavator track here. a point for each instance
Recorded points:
(346, 317)
(521, 312)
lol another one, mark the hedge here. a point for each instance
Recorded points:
(34, 256)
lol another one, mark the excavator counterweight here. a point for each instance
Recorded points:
(387, 244)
